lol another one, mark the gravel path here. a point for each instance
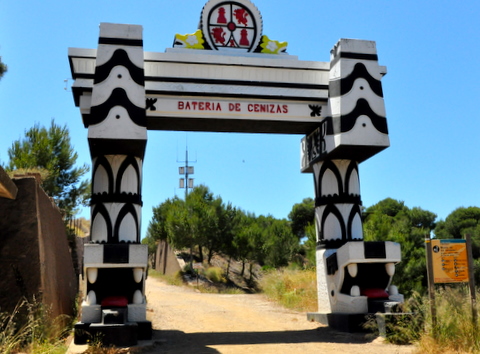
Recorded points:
(187, 321)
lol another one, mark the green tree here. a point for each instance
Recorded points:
(222, 236)
(302, 215)
(391, 220)
(181, 226)
(50, 150)
(279, 243)
(204, 221)
(302, 220)
(247, 239)
(310, 244)
(457, 225)
(157, 227)
(200, 203)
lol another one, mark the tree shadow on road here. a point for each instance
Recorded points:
(172, 341)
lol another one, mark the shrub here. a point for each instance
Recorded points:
(407, 325)
(455, 330)
(215, 274)
(295, 289)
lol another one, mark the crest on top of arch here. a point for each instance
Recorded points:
(230, 26)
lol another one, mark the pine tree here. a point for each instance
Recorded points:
(50, 152)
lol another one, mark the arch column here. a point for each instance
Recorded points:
(337, 203)
(115, 263)
(337, 216)
(353, 276)
(117, 135)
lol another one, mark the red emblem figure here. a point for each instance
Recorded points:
(221, 16)
(232, 43)
(244, 38)
(241, 16)
(218, 35)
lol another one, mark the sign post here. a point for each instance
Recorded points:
(450, 261)
(473, 296)
(431, 282)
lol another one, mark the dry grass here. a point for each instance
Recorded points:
(175, 279)
(215, 274)
(294, 289)
(97, 348)
(29, 329)
(455, 331)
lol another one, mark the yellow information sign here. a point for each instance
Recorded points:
(450, 262)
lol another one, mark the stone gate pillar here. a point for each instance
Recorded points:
(115, 263)
(353, 276)
(338, 210)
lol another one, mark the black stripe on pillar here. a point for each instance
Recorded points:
(375, 249)
(121, 41)
(117, 253)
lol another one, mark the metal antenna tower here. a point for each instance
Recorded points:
(186, 171)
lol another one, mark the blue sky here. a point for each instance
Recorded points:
(431, 51)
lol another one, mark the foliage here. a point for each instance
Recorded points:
(151, 243)
(310, 244)
(247, 235)
(30, 329)
(295, 289)
(457, 225)
(302, 221)
(279, 243)
(391, 220)
(50, 150)
(407, 325)
(455, 330)
(215, 274)
(301, 216)
(204, 221)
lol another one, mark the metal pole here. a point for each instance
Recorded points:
(431, 284)
(471, 280)
(186, 174)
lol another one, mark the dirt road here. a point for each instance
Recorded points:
(186, 321)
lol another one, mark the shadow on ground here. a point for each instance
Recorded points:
(171, 341)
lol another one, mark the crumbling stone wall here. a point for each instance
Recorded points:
(35, 260)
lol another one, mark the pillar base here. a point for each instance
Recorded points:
(354, 323)
(342, 322)
(120, 335)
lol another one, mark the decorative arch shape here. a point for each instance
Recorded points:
(101, 161)
(124, 173)
(101, 222)
(354, 220)
(329, 166)
(332, 211)
(128, 209)
(352, 172)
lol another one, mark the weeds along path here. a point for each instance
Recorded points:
(186, 321)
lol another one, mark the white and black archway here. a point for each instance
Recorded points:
(228, 77)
